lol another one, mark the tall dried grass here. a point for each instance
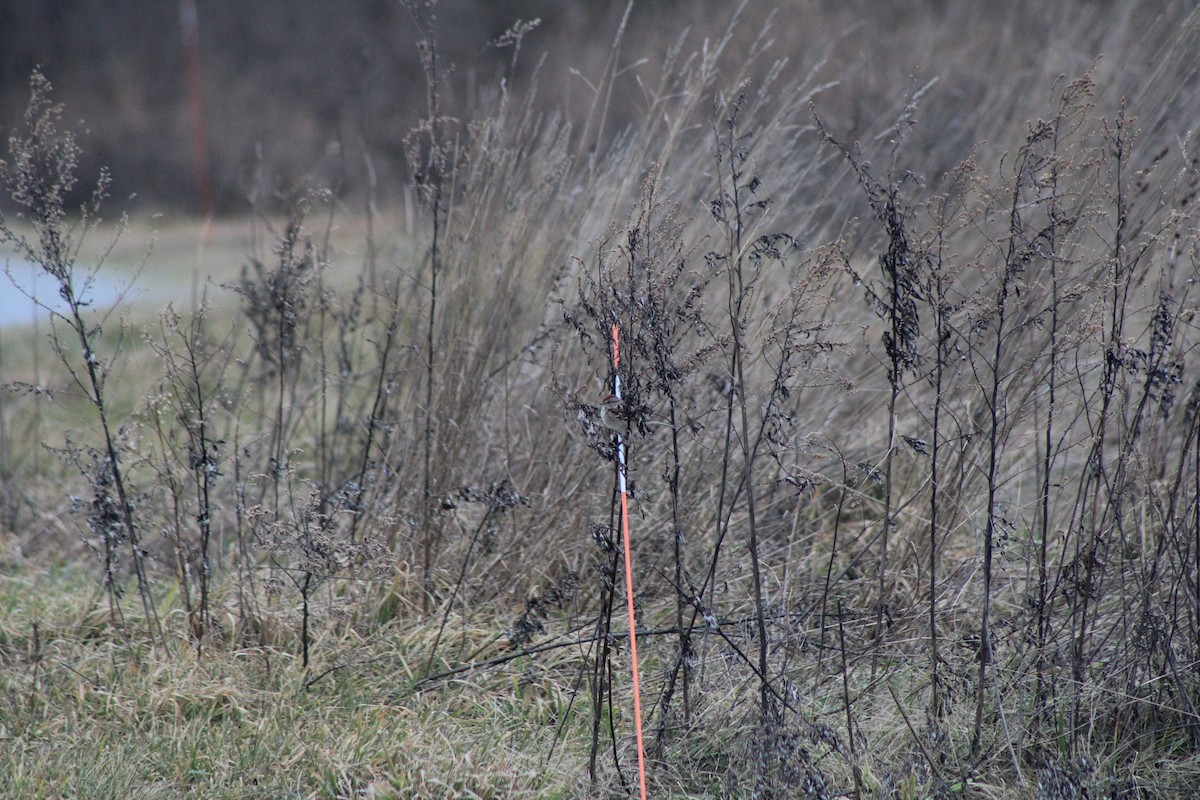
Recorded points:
(913, 447)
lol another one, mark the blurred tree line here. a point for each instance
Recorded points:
(301, 92)
(294, 89)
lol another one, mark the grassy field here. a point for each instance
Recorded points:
(87, 716)
(907, 370)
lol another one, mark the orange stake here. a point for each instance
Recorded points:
(637, 689)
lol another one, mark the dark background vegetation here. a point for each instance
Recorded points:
(298, 90)
(303, 86)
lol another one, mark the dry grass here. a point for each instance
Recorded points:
(83, 715)
(912, 456)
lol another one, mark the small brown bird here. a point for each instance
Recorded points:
(614, 415)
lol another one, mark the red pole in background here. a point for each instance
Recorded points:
(190, 30)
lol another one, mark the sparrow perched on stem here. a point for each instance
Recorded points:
(614, 415)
